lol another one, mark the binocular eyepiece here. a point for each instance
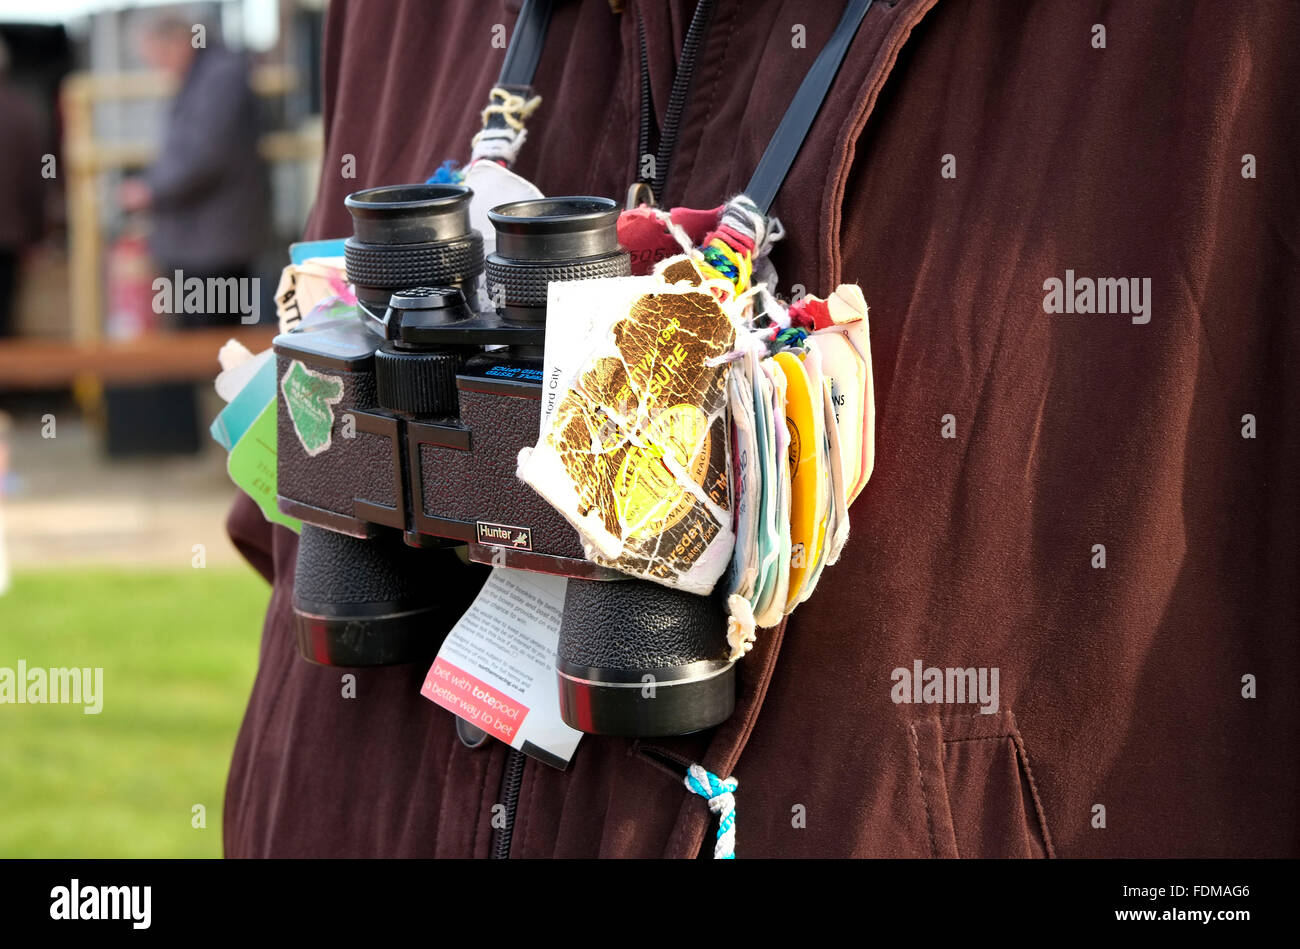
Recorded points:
(430, 407)
(407, 235)
(550, 239)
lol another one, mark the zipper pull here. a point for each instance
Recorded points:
(640, 193)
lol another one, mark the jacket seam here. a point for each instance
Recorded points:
(895, 36)
(1033, 786)
(925, 796)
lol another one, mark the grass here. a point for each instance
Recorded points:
(178, 649)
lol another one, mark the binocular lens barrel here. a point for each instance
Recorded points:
(641, 660)
(369, 602)
(549, 239)
(411, 236)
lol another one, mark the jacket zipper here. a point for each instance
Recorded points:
(514, 771)
(676, 99)
(511, 780)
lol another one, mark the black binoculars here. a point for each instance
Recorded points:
(398, 435)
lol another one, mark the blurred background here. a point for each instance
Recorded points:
(129, 150)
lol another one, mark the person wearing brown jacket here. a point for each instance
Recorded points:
(1099, 506)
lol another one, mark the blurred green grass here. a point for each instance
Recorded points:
(178, 649)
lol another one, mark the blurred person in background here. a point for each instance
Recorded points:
(206, 193)
(22, 220)
(206, 196)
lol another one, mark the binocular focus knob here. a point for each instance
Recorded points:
(414, 382)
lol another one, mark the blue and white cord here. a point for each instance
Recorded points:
(722, 801)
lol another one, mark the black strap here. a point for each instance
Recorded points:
(798, 119)
(526, 44)
(530, 35)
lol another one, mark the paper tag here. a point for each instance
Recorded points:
(805, 446)
(496, 668)
(238, 364)
(771, 606)
(252, 466)
(745, 475)
(567, 340)
(247, 404)
(491, 185)
(768, 538)
(304, 251)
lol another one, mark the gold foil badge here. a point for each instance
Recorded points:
(641, 439)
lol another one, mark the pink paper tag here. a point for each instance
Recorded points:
(473, 700)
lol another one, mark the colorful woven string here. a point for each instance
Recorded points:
(791, 338)
(743, 234)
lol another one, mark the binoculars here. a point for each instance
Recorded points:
(398, 435)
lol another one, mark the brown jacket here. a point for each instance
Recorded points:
(1120, 687)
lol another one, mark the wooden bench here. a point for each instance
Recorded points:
(156, 357)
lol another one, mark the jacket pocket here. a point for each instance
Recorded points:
(978, 788)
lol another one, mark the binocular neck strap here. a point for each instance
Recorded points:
(530, 35)
(798, 119)
(512, 101)
(525, 45)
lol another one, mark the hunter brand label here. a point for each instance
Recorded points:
(310, 398)
(503, 535)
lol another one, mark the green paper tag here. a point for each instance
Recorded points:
(252, 466)
(310, 397)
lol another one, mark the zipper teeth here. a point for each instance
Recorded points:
(681, 89)
(647, 110)
(510, 783)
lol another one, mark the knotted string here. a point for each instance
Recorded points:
(502, 143)
(720, 794)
